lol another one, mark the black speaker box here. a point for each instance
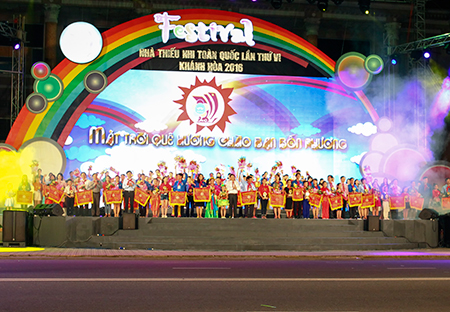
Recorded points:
(14, 227)
(373, 223)
(57, 210)
(428, 214)
(48, 210)
(129, 221)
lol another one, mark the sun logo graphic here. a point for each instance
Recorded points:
(206, 104)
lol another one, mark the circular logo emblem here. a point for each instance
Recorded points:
(206, 104)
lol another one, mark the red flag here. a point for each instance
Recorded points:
(113, 196)
(202, 194)
(177, 198)
(276, 200)
(141, 197)
(239, 201)
(367, 200)
(336, 202)
(397, 202)
(84, 197)
(446, 203)
(315, 199)
(416, 202)
(249, 198)
(297, 195)
(354, 199)
(55, 194)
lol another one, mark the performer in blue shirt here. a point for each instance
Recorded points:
(180, 186)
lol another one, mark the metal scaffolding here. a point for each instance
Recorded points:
(420, 68)
(16, 33)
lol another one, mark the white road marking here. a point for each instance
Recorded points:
(200, 268)
(180, 279)
(413, 268)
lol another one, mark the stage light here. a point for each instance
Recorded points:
(338, 2)
(322, 5)
(426, 54)
(364, 6)
(276, 3)
(16, 44)
(394, 61)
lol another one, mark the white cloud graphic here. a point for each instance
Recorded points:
(305, 130)
(357, 158)
(69, 140)
(366, 129)
(124, 157)
(151, 126)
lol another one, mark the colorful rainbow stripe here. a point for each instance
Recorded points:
(121, 53)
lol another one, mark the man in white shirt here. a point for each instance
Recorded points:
(332, 188)
(248, 185)
(128, 186)
(232, 188)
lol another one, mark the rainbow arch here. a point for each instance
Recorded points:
(121, 52)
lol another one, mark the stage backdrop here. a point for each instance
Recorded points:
(208, 85)
(217, 118)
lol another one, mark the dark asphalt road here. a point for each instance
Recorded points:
(224, 285)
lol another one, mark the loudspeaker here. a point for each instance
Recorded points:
(428, 214)
(14, 227)
(129, 221)
(57, 210)
(373, 223)
(48, 210)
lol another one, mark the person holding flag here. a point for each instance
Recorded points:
(128, 186)
(180, 186)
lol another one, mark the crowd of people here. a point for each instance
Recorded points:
(224, 200)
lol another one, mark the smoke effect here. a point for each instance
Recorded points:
(408, 105)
